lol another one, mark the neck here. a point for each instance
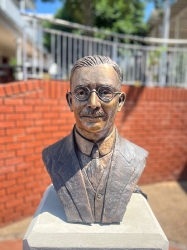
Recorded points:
(94, 136)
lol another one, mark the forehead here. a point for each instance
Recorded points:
(98, 75)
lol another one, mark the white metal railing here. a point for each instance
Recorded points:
(142, 65)
(60, 22)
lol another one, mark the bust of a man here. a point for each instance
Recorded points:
(94, 170)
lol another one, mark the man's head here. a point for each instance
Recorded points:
(95, 95)
(90, 61)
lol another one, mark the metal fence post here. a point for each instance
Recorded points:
(114, 49)
(18, 51)
(24, 54)
(41, 52)
(19, 75)
(34, 51)
(166, 28)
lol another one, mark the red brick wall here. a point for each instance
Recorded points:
(34, 114)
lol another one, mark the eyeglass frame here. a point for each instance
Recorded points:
(96, 91)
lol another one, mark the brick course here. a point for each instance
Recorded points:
(34, 114)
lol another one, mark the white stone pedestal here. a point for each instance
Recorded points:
(49, 229)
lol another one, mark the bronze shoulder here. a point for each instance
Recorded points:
(52, 152)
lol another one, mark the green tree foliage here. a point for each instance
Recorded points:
(115, 15)
(121, 16)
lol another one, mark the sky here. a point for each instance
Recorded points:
(148, 10)
(51, 8)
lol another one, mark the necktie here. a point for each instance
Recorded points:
(95, 170)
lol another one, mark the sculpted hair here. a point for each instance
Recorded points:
(90, 61)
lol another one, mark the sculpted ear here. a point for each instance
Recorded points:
(121, 101)
(69, 100)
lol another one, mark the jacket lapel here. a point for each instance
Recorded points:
(72, 176)
(119, 176)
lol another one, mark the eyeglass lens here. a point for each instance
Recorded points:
(104, 93)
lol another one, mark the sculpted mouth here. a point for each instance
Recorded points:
(93, 116)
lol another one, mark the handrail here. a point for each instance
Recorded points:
(105, 32)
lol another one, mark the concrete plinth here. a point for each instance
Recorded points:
(49, 229)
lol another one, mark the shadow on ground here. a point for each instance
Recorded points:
(168, 201)
(183, 180)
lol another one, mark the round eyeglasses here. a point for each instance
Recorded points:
(105, 93)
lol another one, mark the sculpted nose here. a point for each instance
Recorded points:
(93, 101)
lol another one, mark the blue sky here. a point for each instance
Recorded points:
(51, 8)
(148, 10)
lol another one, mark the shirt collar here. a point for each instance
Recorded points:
(104, 147)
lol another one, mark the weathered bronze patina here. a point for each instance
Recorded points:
(94, 170)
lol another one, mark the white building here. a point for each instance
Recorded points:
(178, 21)
(20, 40)
(11, 28)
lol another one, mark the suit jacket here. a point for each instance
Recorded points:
(63, 166)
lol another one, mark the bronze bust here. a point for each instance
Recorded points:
(94, 170)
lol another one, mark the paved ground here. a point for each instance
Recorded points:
(15, 230)
(168, 201)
